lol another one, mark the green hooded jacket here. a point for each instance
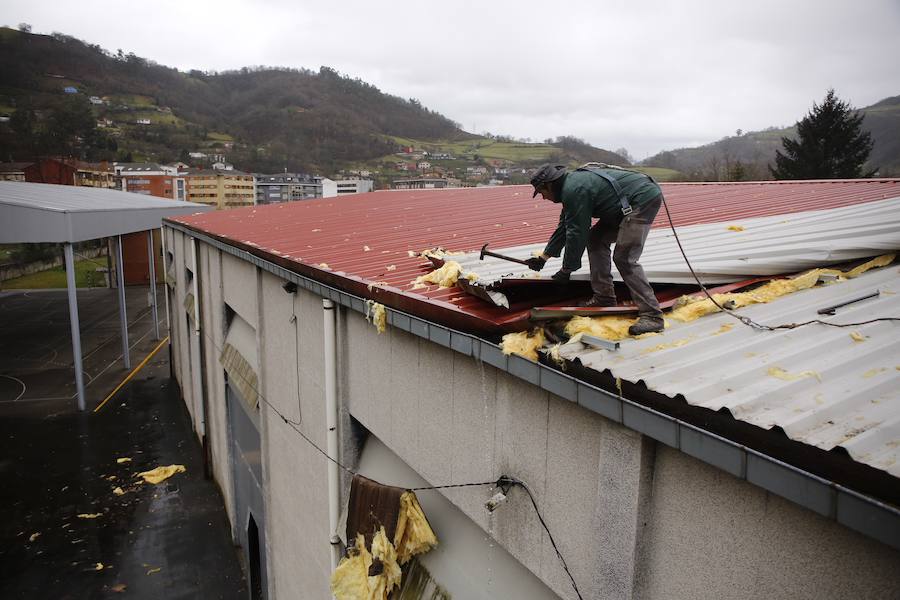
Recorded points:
(585, 195)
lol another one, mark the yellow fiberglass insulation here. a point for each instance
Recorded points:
(350, 580)
(438, 253)
(609, 328)
(524, 344)
(375, 313)
(698, 307)
(414, 535)
(445, 276)
(381, 585)
(690, 308)
(160, 474)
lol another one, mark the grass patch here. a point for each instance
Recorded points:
(219, 137)
(132, 100)
(85, 276)
(661, 174)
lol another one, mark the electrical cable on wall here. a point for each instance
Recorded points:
(503, 480)
(745, 319)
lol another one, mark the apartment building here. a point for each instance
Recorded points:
(354, 186)
(286, 187)
(151, 179)
(220, 188)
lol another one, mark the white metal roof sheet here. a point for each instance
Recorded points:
(817, 383)
(765, 246)
(40, 212)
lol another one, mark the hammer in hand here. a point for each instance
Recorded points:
(486, 252)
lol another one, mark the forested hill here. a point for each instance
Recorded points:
(748, 154)
(271, 116)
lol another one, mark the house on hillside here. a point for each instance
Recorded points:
(13, 171)
(718, 459)
(64, 171)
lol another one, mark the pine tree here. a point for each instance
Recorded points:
(830, 144)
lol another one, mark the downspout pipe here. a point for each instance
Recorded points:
(331, 422)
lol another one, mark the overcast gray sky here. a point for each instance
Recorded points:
(648, 76)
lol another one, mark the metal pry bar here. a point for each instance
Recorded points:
(829, 310)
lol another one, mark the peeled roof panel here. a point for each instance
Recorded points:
(831, 390)
(766, 246)
(302, 235)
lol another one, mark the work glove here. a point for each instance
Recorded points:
(562, 276)
(536, 263)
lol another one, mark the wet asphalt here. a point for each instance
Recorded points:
(169, 540)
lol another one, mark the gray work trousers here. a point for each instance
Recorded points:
(629, 237)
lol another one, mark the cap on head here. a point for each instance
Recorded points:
(546, 174)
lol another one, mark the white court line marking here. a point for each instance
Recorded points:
(20, 382)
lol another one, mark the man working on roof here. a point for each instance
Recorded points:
(625, 204)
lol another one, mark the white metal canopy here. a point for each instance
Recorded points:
(44, 213)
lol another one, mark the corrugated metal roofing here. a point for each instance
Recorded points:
(817, 383)
(763, 246)
(41, 212)
(336, 231)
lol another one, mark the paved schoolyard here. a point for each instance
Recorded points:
(169, 540)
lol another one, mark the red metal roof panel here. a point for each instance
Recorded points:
(302, 235)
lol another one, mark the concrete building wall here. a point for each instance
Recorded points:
(711, 535)
(213, 331)
(295, 473)
(632, 518)
(456, 420)
(239, 288)
(177, 319)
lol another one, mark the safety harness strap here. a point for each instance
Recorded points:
(623, 200)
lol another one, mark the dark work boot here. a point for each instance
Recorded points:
(598, 302)
(647, 325)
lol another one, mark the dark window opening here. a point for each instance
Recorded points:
(253, 558)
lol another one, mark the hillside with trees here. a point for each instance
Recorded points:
(747, 156)
(63, 96)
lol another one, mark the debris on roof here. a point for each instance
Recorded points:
(375, 314)
(695, 308)
(525, 343)
(818, 384)
(445, 276)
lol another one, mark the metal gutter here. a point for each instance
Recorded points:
(861, 513)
